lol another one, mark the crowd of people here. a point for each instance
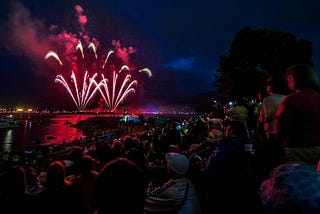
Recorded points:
(202, 164)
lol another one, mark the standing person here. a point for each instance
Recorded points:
(270, 105)
(297, 125)
(268, 152)
(259, 131)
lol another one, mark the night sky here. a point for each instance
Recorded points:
(179, 41)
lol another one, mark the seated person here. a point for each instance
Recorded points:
(120, 188)
(231, 148)
(178, 195)
(223, 176)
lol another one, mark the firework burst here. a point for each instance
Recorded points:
(112, 93)
(114, 87)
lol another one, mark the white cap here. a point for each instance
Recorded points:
(178, 163)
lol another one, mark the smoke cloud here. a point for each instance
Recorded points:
(30, 37)
(122, 52)
(82, 19)
(24, 34)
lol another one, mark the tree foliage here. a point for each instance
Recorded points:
(256, 55)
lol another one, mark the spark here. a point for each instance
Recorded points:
(113, 95)
(54, 55)
(113, 91)
(105, 61)
(80, 47)
(82, 98)
(124, 68)
(94, 49)
(147, 71)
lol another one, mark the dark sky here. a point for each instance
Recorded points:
(179, 41)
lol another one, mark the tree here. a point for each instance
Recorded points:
(256, 55)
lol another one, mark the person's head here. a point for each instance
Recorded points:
(291, 188)
(117, 148)
(87, 164)
(235, 129)
(76, 153)
(275, 86)
(15, 182)
(269, 88)
(128, 142)
(56, 175)
(301, 76)
(177, 164)
(120, 180)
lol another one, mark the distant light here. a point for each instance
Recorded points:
(19, 109)
(29, 110)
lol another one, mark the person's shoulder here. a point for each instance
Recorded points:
(266, 99)
(239, 108)
(157, 190)
(290, 100)
(292, 97)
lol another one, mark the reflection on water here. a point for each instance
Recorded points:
(41, 131)
(7, 140)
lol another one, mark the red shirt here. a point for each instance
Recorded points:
(297, 122)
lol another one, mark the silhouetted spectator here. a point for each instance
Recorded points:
(229, 150)
(297, 125)
(117, 148)
(239, 112)
(74, 157)
(34, 185)
(14, 197)
(84, 184)
(58, 196)
(224, 177)
(120, 188)
(268, 152)
(270, 104)
(134, 151)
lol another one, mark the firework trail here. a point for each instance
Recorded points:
(105, 61)
(113, 94)
(82, 98)
(113, 91)
(147, 71)
(93, 47)
(114, 87)
(54, 55)
(80, 47)
(81, 94)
